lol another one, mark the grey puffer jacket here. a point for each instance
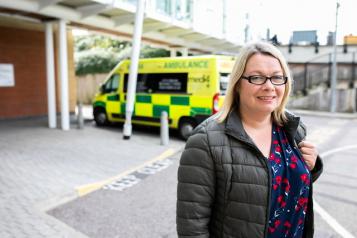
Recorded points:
(224, 182)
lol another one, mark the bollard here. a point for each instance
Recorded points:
(80, 116)
(164, 130)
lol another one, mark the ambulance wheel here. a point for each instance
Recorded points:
(186, 127)
(100, 117)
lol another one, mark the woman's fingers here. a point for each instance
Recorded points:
(309, 153)
(306, 144)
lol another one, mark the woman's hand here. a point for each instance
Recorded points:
(309, 153)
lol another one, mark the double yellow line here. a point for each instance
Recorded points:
(88, 188)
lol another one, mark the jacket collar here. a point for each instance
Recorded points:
(291, 126)
(234, 126)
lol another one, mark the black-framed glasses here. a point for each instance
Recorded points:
(260, 79)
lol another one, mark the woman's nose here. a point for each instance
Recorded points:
(268, 84)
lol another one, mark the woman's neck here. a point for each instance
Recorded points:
(255, 121)
(259, 129)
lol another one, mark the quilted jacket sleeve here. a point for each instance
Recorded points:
(195, 189)
(317, 171)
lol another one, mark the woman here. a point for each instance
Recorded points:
(247, 171)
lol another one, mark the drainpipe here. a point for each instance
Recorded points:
(304, 90)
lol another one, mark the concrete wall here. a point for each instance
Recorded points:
(319, 100)
(25, 49)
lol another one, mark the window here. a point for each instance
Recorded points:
(183, 10)
(115, 82)
(133, 2)
(159, 83)
(112, 84)
(163, 7)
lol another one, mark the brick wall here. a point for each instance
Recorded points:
(25, 49)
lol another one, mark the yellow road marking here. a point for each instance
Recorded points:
(88, 188)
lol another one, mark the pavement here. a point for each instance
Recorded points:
(43, 168)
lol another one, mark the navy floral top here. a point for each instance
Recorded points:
(290, 188)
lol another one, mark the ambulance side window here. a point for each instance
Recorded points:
(159, 83)
(170, 83)
(112, 84)
(141, 83)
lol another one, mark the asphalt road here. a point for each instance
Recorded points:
(143, 203)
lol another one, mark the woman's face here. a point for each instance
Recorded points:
(265, 98)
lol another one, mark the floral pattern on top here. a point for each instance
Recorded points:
(290, 188)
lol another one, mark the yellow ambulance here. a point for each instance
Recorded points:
(189, 89)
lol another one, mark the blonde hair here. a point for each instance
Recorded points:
(231, 100)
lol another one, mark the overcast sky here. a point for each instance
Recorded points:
(285, 16)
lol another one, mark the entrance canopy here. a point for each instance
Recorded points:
(117, 17)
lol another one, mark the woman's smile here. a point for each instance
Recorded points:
(266, 98)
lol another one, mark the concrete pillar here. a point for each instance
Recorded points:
(173, 52)
(352, 99)
(63, 71)
(130, 99)
(50, 70)
(184, 52)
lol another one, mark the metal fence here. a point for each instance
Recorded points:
(312, 73)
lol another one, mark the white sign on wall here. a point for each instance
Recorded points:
(7, 78)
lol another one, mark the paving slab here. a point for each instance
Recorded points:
(42, 168)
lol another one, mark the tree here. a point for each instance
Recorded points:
(149, 52)
(99, 53)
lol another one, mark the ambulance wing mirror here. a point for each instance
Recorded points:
(102, 88)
